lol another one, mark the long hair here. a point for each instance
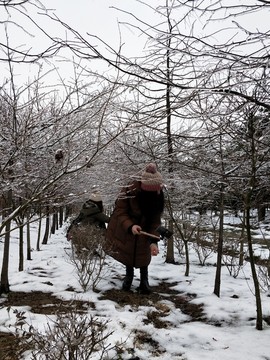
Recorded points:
(151, 203)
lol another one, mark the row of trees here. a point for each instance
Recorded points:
(196, 102)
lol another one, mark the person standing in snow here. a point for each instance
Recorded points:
(139, 207)
(90, 214)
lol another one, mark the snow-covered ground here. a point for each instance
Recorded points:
(235, 311)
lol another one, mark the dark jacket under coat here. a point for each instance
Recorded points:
(90, 214)
(131, 250)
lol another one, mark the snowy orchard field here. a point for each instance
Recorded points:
(225, 331)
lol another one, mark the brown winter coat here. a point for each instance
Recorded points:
(121, 244)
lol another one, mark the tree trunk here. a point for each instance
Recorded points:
(53, 226)
(61, 216)
(268, 266)
(68, 212)
(170, 247)
(56, 214)
(170, 243)
(187, 258)
(241, 250)
(261, 212)
(4, 286)
(39, 231)
(21, 255)
(259, 321)
(47, 227)
(248, 203)
(28, 239)
(220, 245)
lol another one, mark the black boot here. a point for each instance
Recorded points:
(128, 278)
(144, 287)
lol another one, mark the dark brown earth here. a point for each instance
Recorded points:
(45, 303)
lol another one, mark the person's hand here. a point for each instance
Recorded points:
(136, 229)
(154, 249)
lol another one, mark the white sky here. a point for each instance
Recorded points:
(95, 17)
(99, 18)
(236, 338)
(89, 16)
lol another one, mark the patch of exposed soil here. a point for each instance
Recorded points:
(40, 303)
(47, 304)
(161, 293)
(8, 342)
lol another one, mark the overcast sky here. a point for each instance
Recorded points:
(98, 18)
(94, 17)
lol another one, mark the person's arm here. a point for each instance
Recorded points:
(122, 212)
(101, 217)
(78, 219)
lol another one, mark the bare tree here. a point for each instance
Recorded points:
(36, 133)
